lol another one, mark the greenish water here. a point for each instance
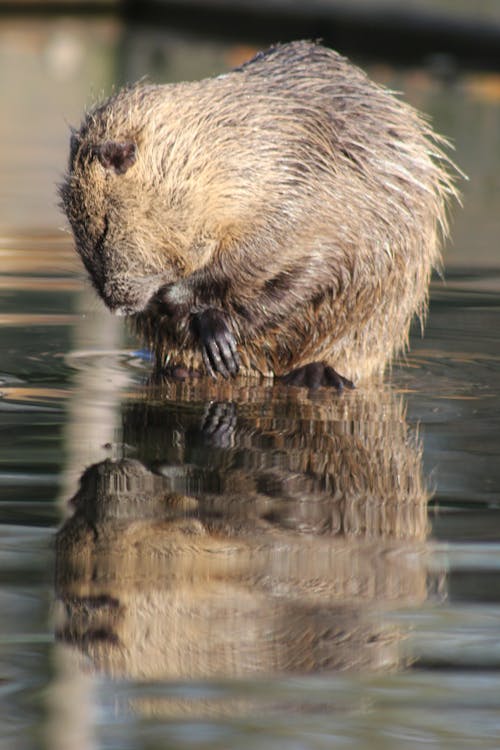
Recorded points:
(238, 567)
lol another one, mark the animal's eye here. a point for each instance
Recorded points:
(117, 156)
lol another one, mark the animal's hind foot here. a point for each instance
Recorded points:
(315, 375)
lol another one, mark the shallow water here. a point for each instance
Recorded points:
(241, 566)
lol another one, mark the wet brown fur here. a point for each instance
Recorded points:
(293, 194)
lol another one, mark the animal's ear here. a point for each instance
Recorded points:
(117, 155)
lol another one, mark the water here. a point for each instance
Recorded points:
(218, 566)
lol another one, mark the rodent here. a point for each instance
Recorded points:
(283, 218)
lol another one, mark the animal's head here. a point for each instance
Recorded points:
(112, 195)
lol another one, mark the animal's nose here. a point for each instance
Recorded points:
(122, 311)
(121, 301)
(111, 298)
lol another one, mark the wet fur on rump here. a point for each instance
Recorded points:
(293, 194)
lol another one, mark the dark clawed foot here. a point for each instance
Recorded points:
(218, 345)
(316, 374)
(219, 424)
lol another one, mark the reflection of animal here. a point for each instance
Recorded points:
(198, 559)
(285, 216)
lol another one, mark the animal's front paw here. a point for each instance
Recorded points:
(173, 300)
(218, 345)
(316, 374)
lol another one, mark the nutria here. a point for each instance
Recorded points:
(283, 218)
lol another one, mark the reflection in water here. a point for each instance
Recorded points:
(265, 534)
